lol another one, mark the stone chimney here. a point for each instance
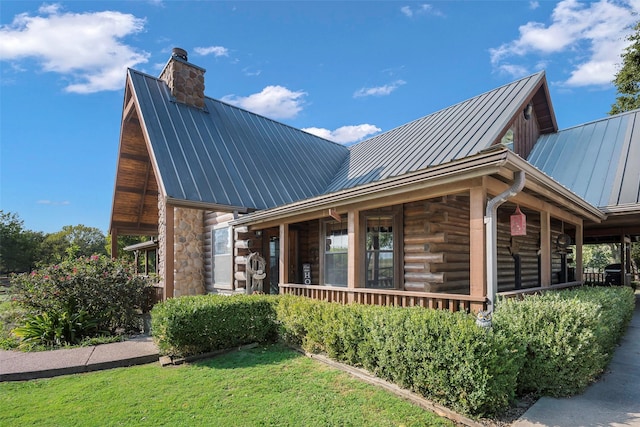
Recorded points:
(185, 80)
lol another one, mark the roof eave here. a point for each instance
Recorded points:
(481, 164)
(564, 196)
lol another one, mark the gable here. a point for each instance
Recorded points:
(227, 157)
(454, 133)
(135, 198)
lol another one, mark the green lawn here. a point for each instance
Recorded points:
(264, 386)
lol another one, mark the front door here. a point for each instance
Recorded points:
(271, 249)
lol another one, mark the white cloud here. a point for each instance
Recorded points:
(53, 203)
(248, 71)
(592, 35)
(84, 47)
(276, 102)
(533, 5)
(345, 134)
(215, 50)
(421, 9)
(379, 90)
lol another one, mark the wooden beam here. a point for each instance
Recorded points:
(136, 157)
(354, 251)
(284, 253)
(144, 191)
(579, 258)
(545, 249)
(495, 186)
(426, 192)
(114, 243)
(131, 228)
(135, 190)
(477, 264)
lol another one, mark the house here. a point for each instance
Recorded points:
(446, 211)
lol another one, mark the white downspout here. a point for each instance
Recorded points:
(491, 234)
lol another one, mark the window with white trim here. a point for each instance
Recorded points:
(222, 254)
(336, 246)
(379, 253)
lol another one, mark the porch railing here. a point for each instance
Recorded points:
(387, 297)
(530, 291)
(593, 278)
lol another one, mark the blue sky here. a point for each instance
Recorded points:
(344, 70)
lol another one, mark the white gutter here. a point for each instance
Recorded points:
(491, 236)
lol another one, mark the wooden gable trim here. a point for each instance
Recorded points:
(136, 189)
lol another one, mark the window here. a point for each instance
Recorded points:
(507, 139)
(222, 256)
(336, 244)
(379, 251)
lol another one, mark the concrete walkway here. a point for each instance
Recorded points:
(19, 366)
(612, 401)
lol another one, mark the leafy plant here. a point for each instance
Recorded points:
(57, 328)
(200, 324)
(569, 336)
(106, 290)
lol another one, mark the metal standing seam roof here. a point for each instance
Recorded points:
(227, 156)
(599, 161)
(453, 133)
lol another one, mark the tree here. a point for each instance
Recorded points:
(72, 242)
(627, 79)
(19, 248)
(123, 242)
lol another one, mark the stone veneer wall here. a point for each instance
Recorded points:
(188, 252)
(188, 249)
(162, 237)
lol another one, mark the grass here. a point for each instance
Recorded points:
(264, 386)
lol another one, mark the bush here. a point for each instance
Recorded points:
(567, 336)
(199, 324)
(56, 329)
(441, 355)
(98, 288)
(570, 336)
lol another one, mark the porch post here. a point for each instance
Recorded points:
(545, 249)
(284, 254)
(579, 260)
(477, 284)
(114, 243)
(354, 256)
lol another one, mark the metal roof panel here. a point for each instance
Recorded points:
(449, 134)
(599, 161)
(228, 156)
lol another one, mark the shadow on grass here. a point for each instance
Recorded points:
(263, 354)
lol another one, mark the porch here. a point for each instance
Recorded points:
(426, 248)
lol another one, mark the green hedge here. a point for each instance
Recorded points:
(570, 336)
(443, 356)
(553, 344)
(199, 324)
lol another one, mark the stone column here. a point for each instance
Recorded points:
(188, 252)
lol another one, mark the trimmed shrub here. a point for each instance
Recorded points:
(443, 356)
(98, 288)
(200, 324)
(570, 336)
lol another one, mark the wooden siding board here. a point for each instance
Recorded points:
(427, 266)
